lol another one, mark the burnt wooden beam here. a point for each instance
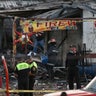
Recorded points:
(91, 55)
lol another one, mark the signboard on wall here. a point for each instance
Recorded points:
(48, 25)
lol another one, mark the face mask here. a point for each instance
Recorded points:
(71, 51)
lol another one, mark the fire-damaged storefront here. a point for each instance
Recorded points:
(69, 25)
(64, 37)
(70, 35)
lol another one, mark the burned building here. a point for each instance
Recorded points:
(50, 9)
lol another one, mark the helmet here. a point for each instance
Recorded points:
(53, 40)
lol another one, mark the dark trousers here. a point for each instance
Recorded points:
(50, 71)
(73, 76)
(23, 85)
(31, 84)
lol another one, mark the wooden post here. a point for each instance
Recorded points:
(14, 38)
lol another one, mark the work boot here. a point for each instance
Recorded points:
(29, 54)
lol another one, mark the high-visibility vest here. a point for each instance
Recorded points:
(33, 64)
(22, 66)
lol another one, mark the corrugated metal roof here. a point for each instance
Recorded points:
(12, 4)
(50, 8)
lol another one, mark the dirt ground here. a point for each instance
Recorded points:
(44, 86)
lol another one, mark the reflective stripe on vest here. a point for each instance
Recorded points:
(33, 64)
(22, 66)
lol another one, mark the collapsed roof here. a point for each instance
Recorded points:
(45, 8)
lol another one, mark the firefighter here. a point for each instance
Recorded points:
(22, 73)
(72, 66)
(52, 53)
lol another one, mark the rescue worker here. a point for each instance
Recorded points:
(33, 70)
(52, 51)
(52, 56)
(22, 73)
(72, 66)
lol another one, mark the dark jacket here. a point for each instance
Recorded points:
(52, 53)
(40, 36)
(71, 60)
(22, 70)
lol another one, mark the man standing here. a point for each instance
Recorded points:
(22, 73)
(52, 56)
(72, 66)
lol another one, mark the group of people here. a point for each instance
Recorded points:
(25, 71)
(51, 51)
(71, 63)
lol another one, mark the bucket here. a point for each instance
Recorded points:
(44, 59)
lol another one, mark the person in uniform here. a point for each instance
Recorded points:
(22, 71)
(52, 53)
(72, 67)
